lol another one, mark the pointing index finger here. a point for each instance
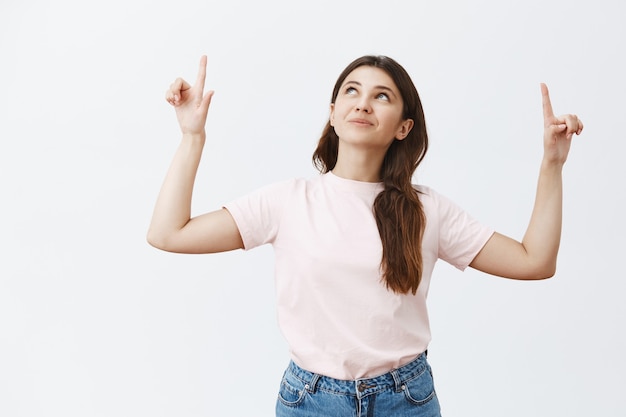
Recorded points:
(201, 76)
(547, 105)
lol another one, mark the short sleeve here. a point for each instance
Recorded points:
(461, 236)
(258, 214)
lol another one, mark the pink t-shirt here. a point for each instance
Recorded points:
(336, 314)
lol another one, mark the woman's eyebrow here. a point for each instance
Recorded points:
(377, 87)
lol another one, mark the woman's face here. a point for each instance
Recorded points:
(368, 109)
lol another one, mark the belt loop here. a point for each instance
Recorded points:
(396, 379)
(310, 387)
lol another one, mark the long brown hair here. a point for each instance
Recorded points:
(398, 211)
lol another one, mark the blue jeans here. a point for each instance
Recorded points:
(403, 392)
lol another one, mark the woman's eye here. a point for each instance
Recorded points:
(350, 90)
(383, 96)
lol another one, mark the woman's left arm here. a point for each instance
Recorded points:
(535, 256)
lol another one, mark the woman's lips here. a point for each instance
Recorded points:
(360, 122)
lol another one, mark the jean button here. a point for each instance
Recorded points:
(363, 386)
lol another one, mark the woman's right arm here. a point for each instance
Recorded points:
(172, 229)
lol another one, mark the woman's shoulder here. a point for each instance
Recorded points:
(285, 187)
(431, 198)
(426, 192)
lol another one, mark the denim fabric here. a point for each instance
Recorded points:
(403, 392)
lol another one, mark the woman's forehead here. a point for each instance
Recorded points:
(370, 76)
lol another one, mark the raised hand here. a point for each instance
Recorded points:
(190, 102)
(558, 131)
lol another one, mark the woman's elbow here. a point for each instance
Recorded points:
(541, 272)
(157, 240)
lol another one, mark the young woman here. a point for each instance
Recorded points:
(355, 246)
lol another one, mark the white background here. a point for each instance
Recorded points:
(94, 322)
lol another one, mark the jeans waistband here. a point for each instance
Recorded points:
(361, 387)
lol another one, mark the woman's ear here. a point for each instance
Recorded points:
(404, 129)
(331, 118)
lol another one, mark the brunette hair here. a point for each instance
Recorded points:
(398, 211)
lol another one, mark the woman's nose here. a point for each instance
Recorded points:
(363, 105)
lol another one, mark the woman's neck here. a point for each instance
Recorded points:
(358, 164)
